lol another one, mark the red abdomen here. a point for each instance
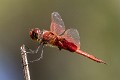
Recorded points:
(64, 44)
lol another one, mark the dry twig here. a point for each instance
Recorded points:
(25, 63)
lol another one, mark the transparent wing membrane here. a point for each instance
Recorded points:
(72, 35)
(57, 24)
(58, 27)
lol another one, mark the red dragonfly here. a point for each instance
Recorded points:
(57, 36)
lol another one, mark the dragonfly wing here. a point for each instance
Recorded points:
(57, 24)
(72, 35)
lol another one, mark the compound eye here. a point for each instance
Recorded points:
(34, 33)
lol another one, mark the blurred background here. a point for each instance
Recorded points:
(97, 21)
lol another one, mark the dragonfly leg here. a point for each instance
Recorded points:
(33, 51)
(41, 56)
(36, 51)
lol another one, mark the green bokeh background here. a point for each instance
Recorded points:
(97, 21)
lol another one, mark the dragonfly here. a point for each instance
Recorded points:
(63, 39)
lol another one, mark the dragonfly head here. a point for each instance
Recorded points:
(35, 34)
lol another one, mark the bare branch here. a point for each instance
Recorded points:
(25, 63)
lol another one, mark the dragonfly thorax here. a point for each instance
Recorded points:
(48, 37)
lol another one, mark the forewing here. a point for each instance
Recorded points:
(57, 24)
(72, 35)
